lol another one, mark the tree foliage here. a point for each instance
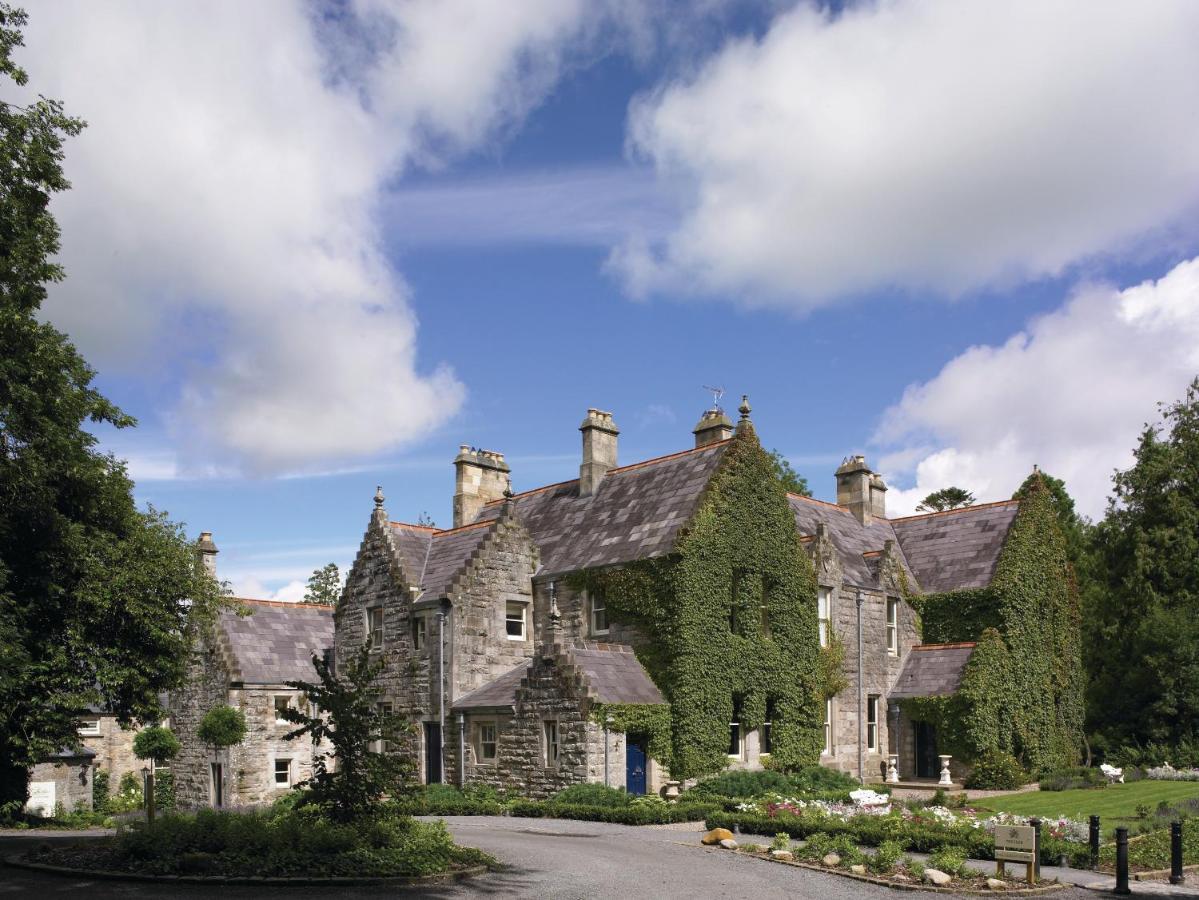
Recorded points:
(1144, 628)
(345, 721)
(156, 743)
(222, 726)
(98, 600)
(946, 498)
(324, 586)
(792, 481)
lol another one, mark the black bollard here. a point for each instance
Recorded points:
(1036, 849)
(1094, 842)
(1176, 876)
(1122, 861)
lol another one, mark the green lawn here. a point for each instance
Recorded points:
(1115, 801)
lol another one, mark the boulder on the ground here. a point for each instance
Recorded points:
(997, 884)
(729, 844)
(781, 854)
(858, 869)
(937, 877)
(716, 835)
(831, 860)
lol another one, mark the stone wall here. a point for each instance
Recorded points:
(113, 746)
(206, 686)
(65, 783)
(250, 777)
(575, 611)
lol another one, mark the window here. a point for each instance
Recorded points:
(374, 627)
(599, 613)
(828, 727)
(282, 704)
(735, 729)
(89, 726)
(551, 743)
(514, 617)
(382, 746)
(283, 773)
(892, 626)
(487, 742)
(824, 618)
(766, 725)
(872, 723)
(420, 630)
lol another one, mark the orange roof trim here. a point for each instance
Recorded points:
(415, 526)
(283, 604)
(960, 509)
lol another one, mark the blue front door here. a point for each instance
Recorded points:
(634, 776)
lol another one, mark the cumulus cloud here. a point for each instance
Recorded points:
(1070, 393)
(923, 145)
(222, 234)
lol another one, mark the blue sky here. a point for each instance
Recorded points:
(959, 241)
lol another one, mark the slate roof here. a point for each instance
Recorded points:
(635, 513)
(276, 641)
(958, 548)
(431, 558)
(932, 670)
(612, 672)
(849, 536)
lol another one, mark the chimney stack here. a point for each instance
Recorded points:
(599, 450)
(206, 552)
(713, 426)
(860, 490)
(480, 476)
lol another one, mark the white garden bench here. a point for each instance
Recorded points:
(1113, 774)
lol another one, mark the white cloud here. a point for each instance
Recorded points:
(1070, 393)
(222, 232)
(926, 145)
(251, 588)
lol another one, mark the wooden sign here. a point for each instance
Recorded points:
(1018, 844)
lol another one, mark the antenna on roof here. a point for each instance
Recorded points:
(717, 393)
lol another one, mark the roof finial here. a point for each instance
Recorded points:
(744, 408)
(508, 495)
(1035, 468)
(378, 496)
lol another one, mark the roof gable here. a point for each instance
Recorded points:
(958, 548)
(932, 670)
(851, 539)
(276, 642)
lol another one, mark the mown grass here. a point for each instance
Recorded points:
(1115, 804)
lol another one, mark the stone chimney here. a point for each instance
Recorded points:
(713, 426)
(480, 476)
(860, 490)
(599, 450)
(206, 552)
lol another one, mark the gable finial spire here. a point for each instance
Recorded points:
(379, 496)
(744, 408)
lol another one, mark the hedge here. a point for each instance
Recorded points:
(633, 814)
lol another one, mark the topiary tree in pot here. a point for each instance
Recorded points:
(158, 745)
(222, 727)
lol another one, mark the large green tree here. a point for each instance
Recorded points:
(324, 586)
(946, 498)
(1144, 629)
(98, 599)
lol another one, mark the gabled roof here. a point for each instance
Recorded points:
(957, 548)
(850, 537)
(275, 643)
(431, 557)
(610, 672)
(636, 512)
(932, 670)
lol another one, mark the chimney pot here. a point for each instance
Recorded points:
(480, 476)
(713, 426)
(599, 450)
(206, 552)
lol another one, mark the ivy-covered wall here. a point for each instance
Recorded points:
(1022, 691)
(732, 613)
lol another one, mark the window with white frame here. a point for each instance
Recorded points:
(872, 723)
(420, 632)
(374, 627)
(282, 704)
(282, 773)
(766, 726)
(514, 621)
(828, 727)
(89, 726)
(735, 747)
(486, 742)
(599, 612)
(892, 626)
(824, 614)
(551, 743)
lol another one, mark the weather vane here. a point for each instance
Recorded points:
(717, 393)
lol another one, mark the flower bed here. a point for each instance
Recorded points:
(922, 829)
(1169, 773)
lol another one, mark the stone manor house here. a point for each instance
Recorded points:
(501, 660)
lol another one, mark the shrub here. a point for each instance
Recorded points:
(164, 791)
(1072, 778)
(915, 867)
(885, 858)
(996, 771)
(100, 792)
(950, 860)
(743, 783)
(782, 841)
(222, 726)
(630, 814)
(128, 796)
(592, 795)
